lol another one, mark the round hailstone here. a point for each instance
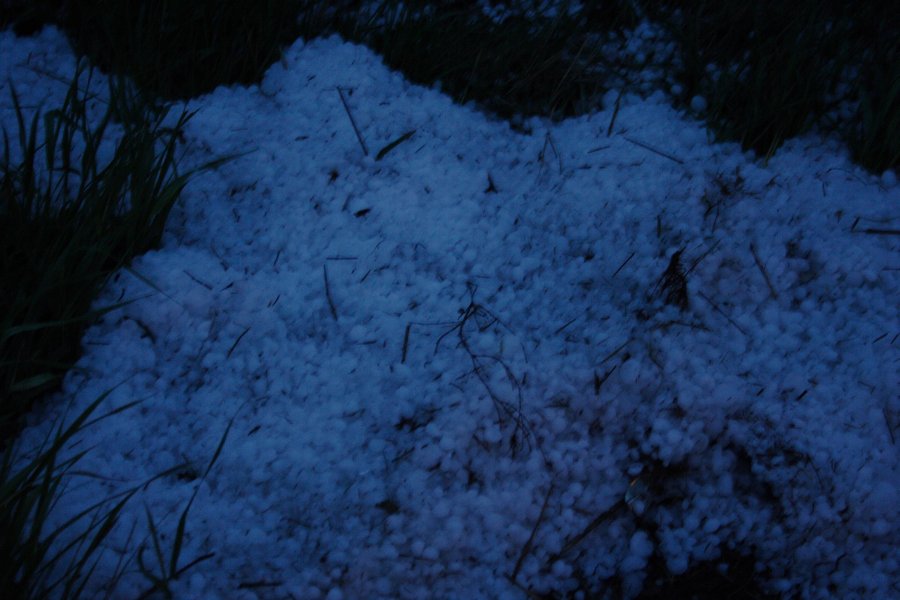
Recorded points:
(889, 178)
(698, 104)
(357, 333)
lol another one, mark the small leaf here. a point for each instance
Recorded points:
(383, 152)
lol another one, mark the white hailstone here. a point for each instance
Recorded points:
(197, 582)
(357, 333)
(447, 442)
(441, 509)
(881, 528)
(492, 433)
(561, 569)
(640, 544)
(629, 371)
(710, 525)
(698, 104)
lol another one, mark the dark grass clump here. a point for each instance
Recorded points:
(27, 17)
(178, 49)
(768, 70)
(42, 558)
(68, 219)
(764, 68)
(174, 49)
(874, 133)
(28, 565)
(771, 70)
(524, 64)
(733, 575)
(35, 561)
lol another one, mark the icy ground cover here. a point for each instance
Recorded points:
(481, 362)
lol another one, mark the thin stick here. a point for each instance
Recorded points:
(328, 293)
(614, 352)
(566, 325)
(405, 343)
(527, 547)
(701, 257)
(250, 585)
(555, 151)
(353, 122)
(654, 150)
(721, 312)
(765, 274)
(888, 423)
(615, 114)
(236, 342)
(622, 266)
(873, 231)
(599, 381)
(203, 283)
(590, 527)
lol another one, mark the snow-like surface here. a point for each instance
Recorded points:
(421, 370)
